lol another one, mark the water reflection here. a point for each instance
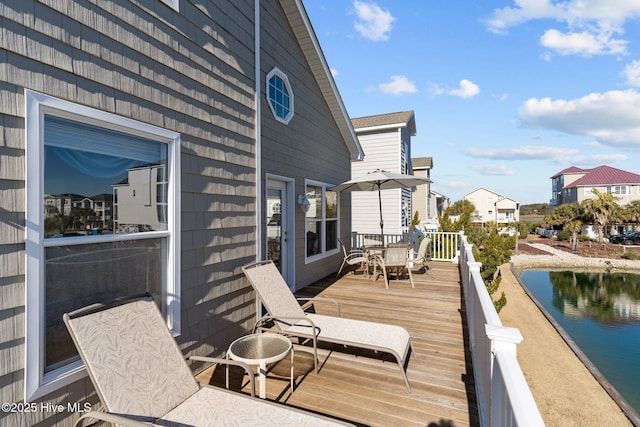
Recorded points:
(603, 297)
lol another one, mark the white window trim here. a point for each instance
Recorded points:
(277, 72)
(37, 384)
(325, 186)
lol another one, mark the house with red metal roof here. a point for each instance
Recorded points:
(576, 184)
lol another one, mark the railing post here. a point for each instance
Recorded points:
(471, 297)
(502, 339)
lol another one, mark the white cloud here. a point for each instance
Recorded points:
(632, 73)
(611, 118)
(599, 159)
(494, 169)
(399, 85)
(502, 97)
(526, 152)
(582, 43)
(372, 22)
(334, 72)
(453, 184)
(436, 90)
(590, 27)
(467, 89)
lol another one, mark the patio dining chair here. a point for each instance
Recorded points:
(290, 319)
(396, 258)
(422, 256)
(354, 257)
(142, 378)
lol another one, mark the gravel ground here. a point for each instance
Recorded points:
(566, 392)
(553, 257)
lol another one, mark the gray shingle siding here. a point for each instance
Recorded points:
(191, 72)
(310, 146)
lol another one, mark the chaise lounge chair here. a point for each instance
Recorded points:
(142, 378)
(291, 320)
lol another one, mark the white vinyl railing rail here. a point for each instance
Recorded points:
(443, 246)
(504, 397)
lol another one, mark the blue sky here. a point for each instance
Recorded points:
(505, 93)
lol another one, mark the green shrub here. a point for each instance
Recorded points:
(564, 235)
(631, 255)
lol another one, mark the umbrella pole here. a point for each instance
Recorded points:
(381, 220)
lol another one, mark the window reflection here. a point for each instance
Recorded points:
(98, 180)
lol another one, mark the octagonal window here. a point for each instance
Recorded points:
(280, 95)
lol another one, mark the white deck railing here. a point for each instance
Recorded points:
(503, 395)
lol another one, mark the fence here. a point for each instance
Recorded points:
(504, 397)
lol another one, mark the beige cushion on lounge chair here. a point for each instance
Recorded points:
(141, 375)
(290, 319)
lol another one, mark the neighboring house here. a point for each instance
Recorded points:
(386, 140)
(441, 203)
(421, 198)
(576, 185)
(233, 102)
(139, 201)
(493, 207)
(426, 202)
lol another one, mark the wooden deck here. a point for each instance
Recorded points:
(367, 388)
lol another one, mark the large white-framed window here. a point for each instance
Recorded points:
(280, 95)
(79, 159)
(620, 190)
(321, 222)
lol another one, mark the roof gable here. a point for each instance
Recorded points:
(422, 162)
(606, 175)
(301, 26)
(396, 120)
(570, 170)
(485, 192)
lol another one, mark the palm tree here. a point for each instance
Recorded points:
(602, 207)
(570, 216)
(632, 213)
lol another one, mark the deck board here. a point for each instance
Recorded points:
(366, 388)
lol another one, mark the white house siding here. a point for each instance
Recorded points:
(586, 193)
(190, 72)
(309, 147)
(382, 151)
(493, 207)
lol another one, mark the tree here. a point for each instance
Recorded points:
(492, 251)
(602, 207)
(464, 210)
(570, 216)
(415, 222)
(631, 212)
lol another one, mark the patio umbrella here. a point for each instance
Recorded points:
(379, 180)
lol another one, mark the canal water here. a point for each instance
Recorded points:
(601, 314)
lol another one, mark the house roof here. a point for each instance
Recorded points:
(400, 119)
(422, 162)
(605, 175)
(571, 169)
(301, 26)
(481, 189)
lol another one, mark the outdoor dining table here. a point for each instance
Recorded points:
(372, 252)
